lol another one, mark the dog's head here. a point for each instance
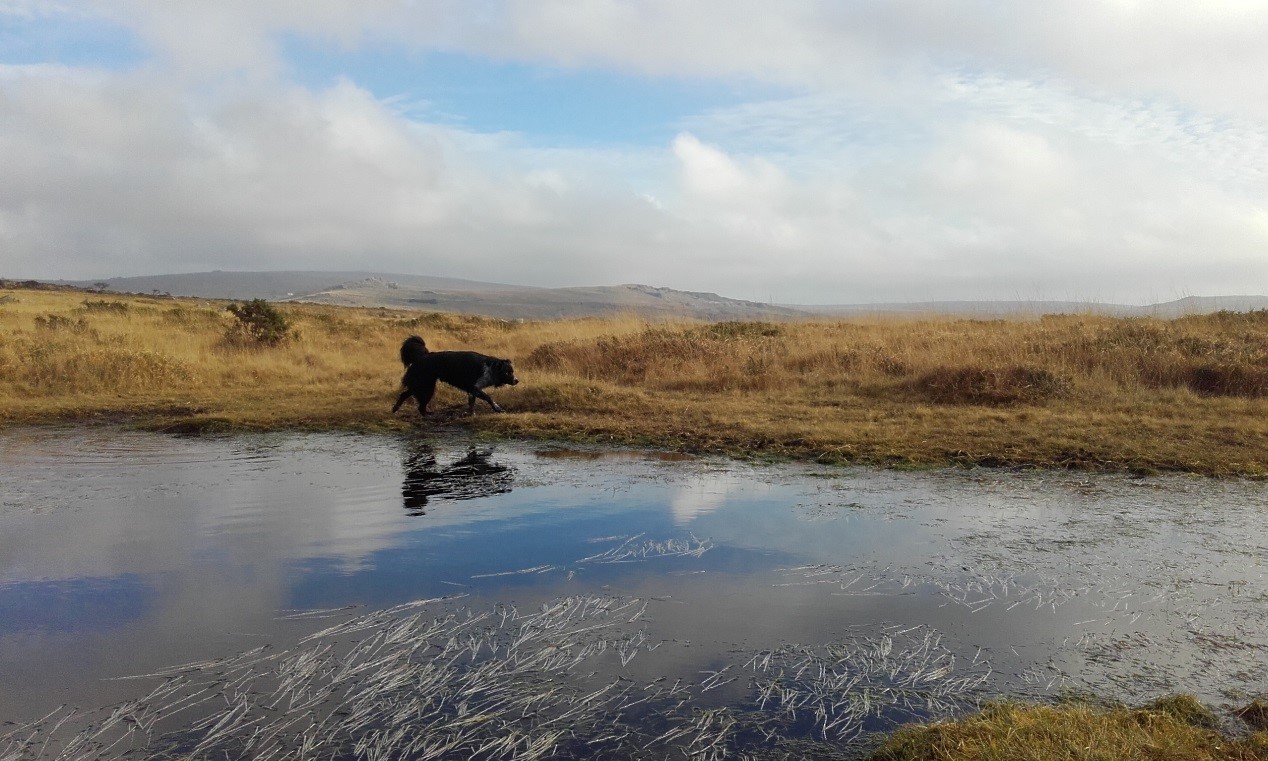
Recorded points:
(412, 350)
(503, 373)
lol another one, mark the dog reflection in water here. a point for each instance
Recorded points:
(473, 475)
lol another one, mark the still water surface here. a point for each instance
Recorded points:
(759, 594)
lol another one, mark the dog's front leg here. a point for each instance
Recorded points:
(426, 392)
(400, 400)
(480, 393)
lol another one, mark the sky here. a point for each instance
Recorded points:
(801, 152)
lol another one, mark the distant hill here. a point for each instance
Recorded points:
(372, 289)
(550, 303)
(993, 309)
(971, 308)
(1205, 305)
(273, 286)
(442, 294)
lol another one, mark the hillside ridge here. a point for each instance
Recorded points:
(509, 301)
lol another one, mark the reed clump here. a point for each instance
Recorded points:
(1186, 709)
(1082, 391)
(1176, 728)
(1255, 714)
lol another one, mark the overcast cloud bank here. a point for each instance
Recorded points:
(902, 151)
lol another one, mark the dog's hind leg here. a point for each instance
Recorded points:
(401, 400)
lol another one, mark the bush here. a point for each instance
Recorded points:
(740, 329)
(259, 322)
(1228, 380)
(973, 385)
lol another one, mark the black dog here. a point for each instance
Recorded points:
(465, 370)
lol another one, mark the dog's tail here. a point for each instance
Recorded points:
(412, 350)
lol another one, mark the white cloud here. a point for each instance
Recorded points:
(115, 173)
(958, 150)
(1205, 54)
(702, 495)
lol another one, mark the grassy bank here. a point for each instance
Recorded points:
(1073, 391)
(1176, 728)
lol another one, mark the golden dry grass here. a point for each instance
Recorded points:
(1174, 729)
(1071, 391)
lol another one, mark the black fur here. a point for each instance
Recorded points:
(464, 370)
(411, 350)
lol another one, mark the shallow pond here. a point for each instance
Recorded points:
(434, 595)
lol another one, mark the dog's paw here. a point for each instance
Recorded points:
(498, 408)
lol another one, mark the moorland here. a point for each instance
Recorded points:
(1070, 391)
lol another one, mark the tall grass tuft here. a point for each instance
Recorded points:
(1255, 714)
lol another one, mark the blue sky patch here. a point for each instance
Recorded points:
(74, 605)
(68, 41)
(552, 106)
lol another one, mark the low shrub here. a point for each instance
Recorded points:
(740, 329)
(1228, 380)
(259, 322)
(458, 325)
(988, 386)
(115, 307)
(833, 359)
(190, 317)
(549, 356)
(889, 364)
(1141, 335)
